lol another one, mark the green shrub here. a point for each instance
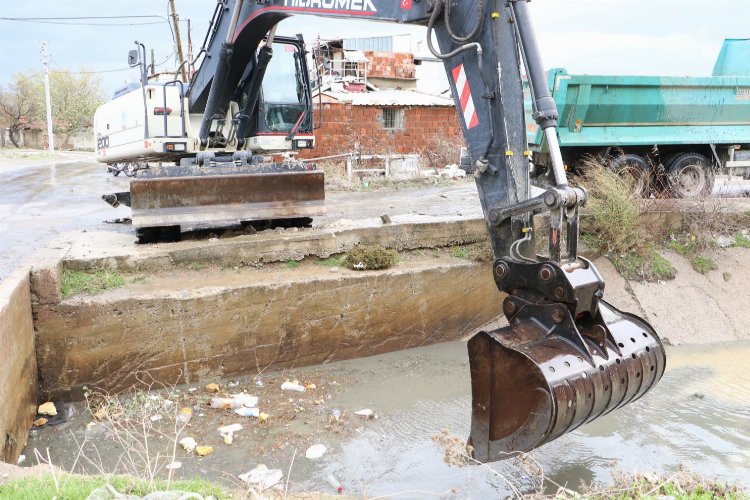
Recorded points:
(91, 283)
(703, 264)
(370, 258)
(615, 218)
(741, 241)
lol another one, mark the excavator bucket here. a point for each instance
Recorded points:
(162, 199)
(546, 374)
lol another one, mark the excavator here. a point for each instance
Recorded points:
(567, 356)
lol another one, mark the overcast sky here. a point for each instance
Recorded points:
(640, 37)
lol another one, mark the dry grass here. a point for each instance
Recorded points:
(618, 225)
(145, 424)
(681, 485)
(532, 483)
(444, 151)
(615, 214)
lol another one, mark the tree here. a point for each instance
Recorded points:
(74, 97)
(17, 105)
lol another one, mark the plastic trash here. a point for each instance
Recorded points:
(184, 416)
(366, 413)
(244, 411)
(227, 432)
(204, 451)
(173, 465)
(245, 399)
(188, 443)
(335, 483)
(230, 428)
(224, 403)
(47, 409)
(292, 386)
(235, 401)
(315, 451)
(263, 477)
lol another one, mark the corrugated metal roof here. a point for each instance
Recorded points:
(379, 43)
(390, 97)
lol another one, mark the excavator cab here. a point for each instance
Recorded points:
(283, 117)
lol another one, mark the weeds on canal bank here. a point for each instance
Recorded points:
(74, 486)
(91, 283)
(618, 227)
(370, 258)
(536, 485)
(633, 232)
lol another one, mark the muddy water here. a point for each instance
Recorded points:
(698, 417)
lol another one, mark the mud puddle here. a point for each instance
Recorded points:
(697, 418)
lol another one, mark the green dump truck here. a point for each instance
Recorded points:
(667, 133)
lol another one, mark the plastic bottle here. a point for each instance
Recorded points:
(247, 412)
(291, 386)
(224, 403)
(335, 483)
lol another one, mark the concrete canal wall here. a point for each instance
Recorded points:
(199, 327)
(18, 368)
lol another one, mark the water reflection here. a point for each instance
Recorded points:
(698, 417)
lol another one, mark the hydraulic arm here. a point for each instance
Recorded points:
(567, 356)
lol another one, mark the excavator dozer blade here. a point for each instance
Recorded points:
(193, 200)
(545, 375)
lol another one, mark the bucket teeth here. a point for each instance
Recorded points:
(544, 375)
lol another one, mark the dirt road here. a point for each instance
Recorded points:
(44, 198)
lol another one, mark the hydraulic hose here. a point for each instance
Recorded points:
(431, 26)
(477, 26)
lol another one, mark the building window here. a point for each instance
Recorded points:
(393, 118)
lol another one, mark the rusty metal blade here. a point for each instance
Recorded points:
(182, 200)
(532, 384)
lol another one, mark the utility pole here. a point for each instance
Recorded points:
(45, 62)
(190, 50)
(180, 57)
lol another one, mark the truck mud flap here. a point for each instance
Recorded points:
(546, 374)
(207, 199)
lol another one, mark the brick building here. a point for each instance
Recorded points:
(385, 122)
(372, 103)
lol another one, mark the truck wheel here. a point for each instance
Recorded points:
(690, 175)
(635, 170)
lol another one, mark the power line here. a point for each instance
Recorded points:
(77, 21)
(86, 72)
(73, 23)
(79, 18)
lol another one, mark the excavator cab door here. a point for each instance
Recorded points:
(284, 117)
